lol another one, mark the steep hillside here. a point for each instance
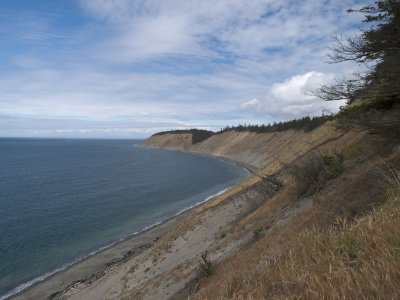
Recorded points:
(322, 177)
(266, 152)
(317, 184)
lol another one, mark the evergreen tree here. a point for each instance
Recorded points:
(378, 48)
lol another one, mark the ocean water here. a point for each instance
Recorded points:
(61, 199)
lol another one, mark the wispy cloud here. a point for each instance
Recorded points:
(223, 29)
(170, 61)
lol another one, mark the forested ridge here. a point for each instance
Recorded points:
(305, 124)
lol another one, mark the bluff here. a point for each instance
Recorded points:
(265, 152)
(312, 210)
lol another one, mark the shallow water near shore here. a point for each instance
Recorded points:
(61, 200)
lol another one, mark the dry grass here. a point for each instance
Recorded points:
(390, 180)
(351, 260)
(358, 261)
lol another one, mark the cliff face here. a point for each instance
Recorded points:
(264, 151)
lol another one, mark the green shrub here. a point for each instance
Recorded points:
(257, 234)
(333, 165)
(205, 266)
(349, 248)
(313, 170)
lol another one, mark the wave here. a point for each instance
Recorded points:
(43, 277)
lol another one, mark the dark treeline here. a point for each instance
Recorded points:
(306, 124)
(198, 135)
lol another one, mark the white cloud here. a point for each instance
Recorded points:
(291, 98)
(293, 90)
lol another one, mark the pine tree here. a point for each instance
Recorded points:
(378, 48)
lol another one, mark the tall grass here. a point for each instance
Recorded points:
(390, 180)
(358, 260)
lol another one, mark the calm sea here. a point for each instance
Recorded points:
(61, 200)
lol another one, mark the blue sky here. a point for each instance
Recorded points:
(129, 68)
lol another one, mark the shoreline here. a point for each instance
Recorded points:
(250, 169)
(95, 265)
(100, 261)
(87, 269)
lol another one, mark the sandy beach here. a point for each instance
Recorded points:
(87, 271)
(97, 265)
(163, 251)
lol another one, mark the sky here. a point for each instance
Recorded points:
(130, 68)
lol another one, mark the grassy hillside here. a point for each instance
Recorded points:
(331, 230)
(346, 247)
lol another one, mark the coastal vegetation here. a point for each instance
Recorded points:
(377, 48)
(373, 92)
